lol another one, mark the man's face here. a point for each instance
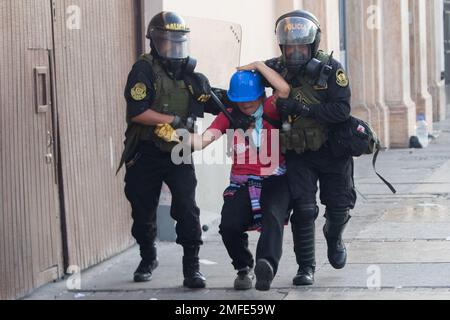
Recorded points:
(249, 108)
(164, 48)
(296, 52)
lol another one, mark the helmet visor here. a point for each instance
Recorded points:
(296, 31)
(171, 44)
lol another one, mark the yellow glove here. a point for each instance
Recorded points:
(167, 133)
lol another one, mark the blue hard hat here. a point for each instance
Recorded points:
(245, 86)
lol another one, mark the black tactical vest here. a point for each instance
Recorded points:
(306, 134)
(172, 98)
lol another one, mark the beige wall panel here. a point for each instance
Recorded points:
(93, 60)
(30, 239)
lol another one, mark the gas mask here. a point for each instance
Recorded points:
(179, 67)
(296, 57)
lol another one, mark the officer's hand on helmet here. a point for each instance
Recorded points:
(290, 107)
(254, 66)
(199, 86)
(167, 133)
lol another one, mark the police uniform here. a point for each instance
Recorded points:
(158, 81)
(310, 159)
(150, 164)
(320, 96)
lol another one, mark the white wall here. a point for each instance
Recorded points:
(257, 18)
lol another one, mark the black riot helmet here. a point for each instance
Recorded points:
(169, 39)
(298, 34)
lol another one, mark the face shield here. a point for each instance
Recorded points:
(295, 36)
(170, 44)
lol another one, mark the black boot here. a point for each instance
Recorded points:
(144, 271)
(334, 228)
(304, 230)
(304, 277)
(193, 279)
(148, 264)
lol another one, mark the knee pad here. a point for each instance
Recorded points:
(338, 216)
(305, 212)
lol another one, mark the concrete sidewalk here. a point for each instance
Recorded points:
(399, 245)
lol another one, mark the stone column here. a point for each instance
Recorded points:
(379, 76)
(373, 57)
(419, 61)
(397, 76)
(358, 61)
(436, 85)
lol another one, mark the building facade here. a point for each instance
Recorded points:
(64, 66)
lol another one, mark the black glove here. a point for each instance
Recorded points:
(275, 64)
(199, 86)
(221, 94)
(241, 120)
(177, 123)
(290, 107)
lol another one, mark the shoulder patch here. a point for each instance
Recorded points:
(139, 91)
(341, 78)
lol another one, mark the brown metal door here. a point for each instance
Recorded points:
(30, 238)
(95, 47)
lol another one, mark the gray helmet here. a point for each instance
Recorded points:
(169, 36)
(294, 29)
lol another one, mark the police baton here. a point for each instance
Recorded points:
(222, 108)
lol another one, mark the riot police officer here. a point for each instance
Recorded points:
(157, 94)
(320, 97)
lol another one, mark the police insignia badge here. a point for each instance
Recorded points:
(139, 91)
(341, 78)
(298, 96)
